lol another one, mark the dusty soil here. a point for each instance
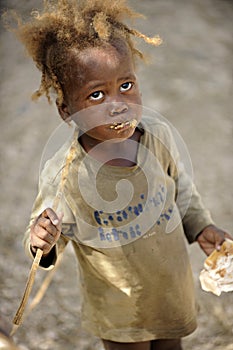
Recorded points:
(189, 81)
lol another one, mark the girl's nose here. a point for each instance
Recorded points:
(117, 108)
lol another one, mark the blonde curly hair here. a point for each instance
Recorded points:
(73, 24)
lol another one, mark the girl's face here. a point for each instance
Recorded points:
(102, 87)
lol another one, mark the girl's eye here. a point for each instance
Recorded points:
(97, 95)
(126, 86)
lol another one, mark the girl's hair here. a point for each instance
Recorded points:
(64, 25)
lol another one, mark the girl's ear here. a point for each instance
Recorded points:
(63, 111)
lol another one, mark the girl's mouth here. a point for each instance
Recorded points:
(124, 125)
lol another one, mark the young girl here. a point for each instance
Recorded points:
(127, 202)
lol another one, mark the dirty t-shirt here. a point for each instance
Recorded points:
(127, 227)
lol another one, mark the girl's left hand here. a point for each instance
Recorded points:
(211, 238)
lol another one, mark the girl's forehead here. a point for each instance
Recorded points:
(95, 57)
(109, 55)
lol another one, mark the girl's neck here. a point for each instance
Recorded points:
(122, 153)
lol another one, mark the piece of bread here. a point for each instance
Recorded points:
(217, 275)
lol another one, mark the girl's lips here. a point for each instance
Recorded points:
(124, 125)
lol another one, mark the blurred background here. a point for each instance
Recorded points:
(189, 82)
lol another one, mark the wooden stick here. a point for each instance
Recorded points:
(36, 262)
(31, 278)
(44, 286)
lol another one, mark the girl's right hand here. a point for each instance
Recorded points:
(45, 231)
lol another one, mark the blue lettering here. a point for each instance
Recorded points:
(137, 227)
(140, 208)
(125, 235)
(132, 232)
(115, 234)
(97, 218)
(136, 212)
(160, 197)
(102, 236)
(109, 237)
(125, 215)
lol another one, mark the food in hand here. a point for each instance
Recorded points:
(217, 275)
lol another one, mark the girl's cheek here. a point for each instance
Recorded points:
(91, 116)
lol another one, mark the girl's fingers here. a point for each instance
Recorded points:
(46, 230)
(50, 214)
(50, 221)
(47, 225)
(43, 234)
(41, 244)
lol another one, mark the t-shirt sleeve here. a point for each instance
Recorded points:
(195, 216)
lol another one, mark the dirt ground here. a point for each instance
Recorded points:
(189, 81)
